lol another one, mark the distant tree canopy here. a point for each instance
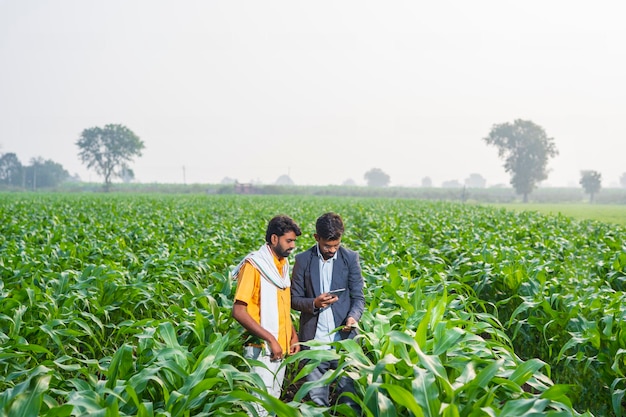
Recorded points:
(228, 180)
(39, 174)
(622, 180)
(591, 182)
(127, 174)
(11, 170)
(427, 182)
(526, 149)
(475, 181)
(109, 150)
(375, 177)
(44, 173)
(284, 180)
(451, 184)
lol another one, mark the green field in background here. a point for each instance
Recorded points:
(607, 213)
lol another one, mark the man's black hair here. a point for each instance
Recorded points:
(279, 225)
(329, 226)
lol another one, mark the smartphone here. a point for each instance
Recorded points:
(337, 291)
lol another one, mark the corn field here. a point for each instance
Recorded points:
(119, 305)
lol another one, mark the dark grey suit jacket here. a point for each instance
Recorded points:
(305, 287)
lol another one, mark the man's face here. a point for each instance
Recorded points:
(284, 245)
(328, 248)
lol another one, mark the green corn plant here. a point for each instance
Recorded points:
(84, 278)
(27, 397)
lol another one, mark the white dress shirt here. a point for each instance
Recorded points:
(326, 320)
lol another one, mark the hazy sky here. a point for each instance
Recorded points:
(322, 91)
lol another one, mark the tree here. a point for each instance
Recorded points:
(11, 170)
(284, 180)
(375, 177)
(127, 174)
(526, 149)
(44, 174)
(475, 181)
(228, 181)
(591, 182)
(108, 150)
(622, 180)
(451, 184)
(427, 182)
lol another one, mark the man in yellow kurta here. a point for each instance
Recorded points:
(263, 302)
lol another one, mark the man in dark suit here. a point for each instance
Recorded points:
(327, 288)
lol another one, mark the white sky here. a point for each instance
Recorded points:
(322, 91)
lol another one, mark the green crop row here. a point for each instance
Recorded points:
(119, 305)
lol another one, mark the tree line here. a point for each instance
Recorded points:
(108, 150)
(523, 145)
(39, 173)
(526, 150)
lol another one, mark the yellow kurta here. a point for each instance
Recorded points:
(249, 292)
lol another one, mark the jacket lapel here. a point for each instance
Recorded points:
(315, 271)
(338, 266)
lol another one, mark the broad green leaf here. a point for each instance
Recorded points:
(526, 370)
(426, 393)
(120, 366)
(28, 402)
(403, 397)
(524, 408)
